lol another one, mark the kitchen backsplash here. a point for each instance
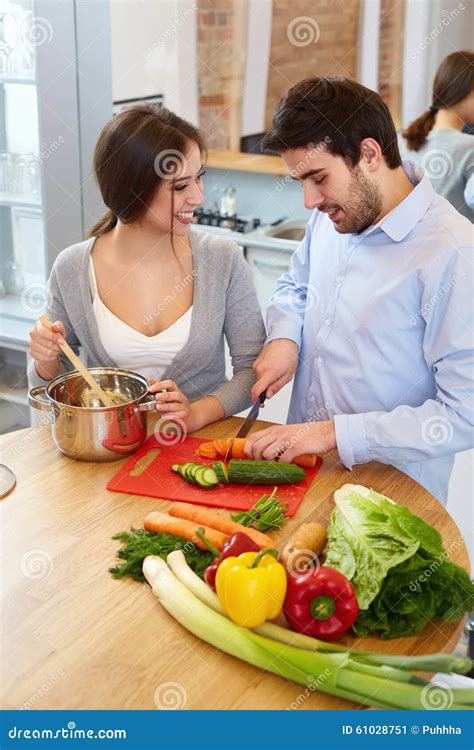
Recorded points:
(261, 196)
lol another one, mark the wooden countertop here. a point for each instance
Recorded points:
(75, 638)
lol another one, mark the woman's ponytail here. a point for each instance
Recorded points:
(417, 132)
(105, 224)
(454, 81)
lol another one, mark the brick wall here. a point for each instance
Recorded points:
(325, 44)
(221, 68)
(392, 19)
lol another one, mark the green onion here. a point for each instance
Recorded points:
(267, 513)
(334, 673)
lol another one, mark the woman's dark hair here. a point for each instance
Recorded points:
(337, 112)
(453, 81)
(137, 150)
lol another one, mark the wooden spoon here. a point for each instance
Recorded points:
(74, 359)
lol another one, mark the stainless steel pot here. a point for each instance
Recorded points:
(93, 432)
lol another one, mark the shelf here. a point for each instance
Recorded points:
(14, 395)
(18, 79)
(31, 202)
(15, 323)
(241, 162)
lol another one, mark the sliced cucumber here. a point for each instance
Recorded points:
(221, 471)
(197, 474)
(184, 471)
(192, 471)
(206, 477)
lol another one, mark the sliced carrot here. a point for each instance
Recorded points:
(221, 447)
(307, 459)
(204, 517)
(207, 450)
(186, 529)
(238, 445)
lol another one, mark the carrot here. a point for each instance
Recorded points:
(215, 448)
(207, 450)
(307, 459)
(238, 445)
(186, 529)
(220, 446)
(204, 517)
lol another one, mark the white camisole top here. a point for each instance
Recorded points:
(132, 350)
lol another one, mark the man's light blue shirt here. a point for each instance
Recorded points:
(384, 324)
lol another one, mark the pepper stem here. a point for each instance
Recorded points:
(322, 608)
(200, 533)
(262, 553)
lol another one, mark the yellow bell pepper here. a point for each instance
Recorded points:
(251, 587)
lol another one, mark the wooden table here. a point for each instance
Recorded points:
(75, 638)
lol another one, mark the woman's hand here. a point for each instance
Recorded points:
(45, 343)
(45, 348)
(174, 405)
(170, 400)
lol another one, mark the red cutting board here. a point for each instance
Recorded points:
(157, 480)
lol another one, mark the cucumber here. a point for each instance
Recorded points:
(221, 471)
(192, 471)
(184, 471)
(264, 472)
(206, 477)
(197, 474)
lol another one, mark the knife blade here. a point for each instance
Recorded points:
(249, 421)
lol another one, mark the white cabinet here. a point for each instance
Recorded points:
(267, 267)
(55, 96)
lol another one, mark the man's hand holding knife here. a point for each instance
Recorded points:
(275, 367)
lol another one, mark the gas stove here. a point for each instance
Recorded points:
(214, 218)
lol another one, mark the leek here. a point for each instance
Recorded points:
(331, 673)
(445, 663)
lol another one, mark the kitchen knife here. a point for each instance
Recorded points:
(249, 421)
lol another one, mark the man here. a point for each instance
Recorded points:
(374, 317)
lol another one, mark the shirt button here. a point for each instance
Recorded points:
(327, 322)
(311, 398)
(319, 360)
(338, 279)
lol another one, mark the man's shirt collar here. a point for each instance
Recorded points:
(399, 222)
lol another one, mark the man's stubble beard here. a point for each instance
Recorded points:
(362, 206)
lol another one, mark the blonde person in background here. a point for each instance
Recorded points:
(435, 139)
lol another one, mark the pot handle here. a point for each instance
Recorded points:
(147, 405)
(37, 398)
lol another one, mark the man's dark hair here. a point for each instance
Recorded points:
(335, 111)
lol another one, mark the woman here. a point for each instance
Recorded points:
(435, 139)
(148, 293)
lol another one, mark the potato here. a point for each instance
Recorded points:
(302, 550)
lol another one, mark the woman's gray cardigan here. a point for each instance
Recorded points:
(224, 304)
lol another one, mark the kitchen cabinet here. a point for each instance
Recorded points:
(54, 99)
(267, 266)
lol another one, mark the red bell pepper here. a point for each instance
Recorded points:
(234, 546)
(322, 604)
